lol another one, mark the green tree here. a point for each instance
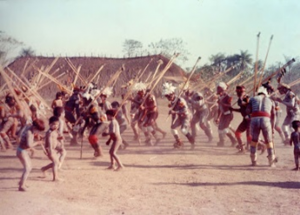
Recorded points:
(168, 47)
(218, 61)
(132, 47)
(27, 52)
(7, 45)
(246, 59)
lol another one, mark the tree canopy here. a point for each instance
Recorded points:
(166, 47)
(7, 45)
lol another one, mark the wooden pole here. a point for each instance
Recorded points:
(97, 73)
(75, 71)
(264, 65)
(31, 90)
(77, 74)
(128, 93)
(49, 82)
(54, 80)
(11, 89)
(185, 84)
(256, 64)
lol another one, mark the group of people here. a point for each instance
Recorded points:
(86, 112)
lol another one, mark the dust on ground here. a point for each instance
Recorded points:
(156, 180)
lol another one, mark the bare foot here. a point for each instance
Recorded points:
(24, 185)
(31, 153)
(111, 167)
(44, 173)
(58, 180)
(22, 189)
(120, 168)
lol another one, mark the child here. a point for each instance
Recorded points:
(53, 147)
(115, 136)
(121, 119)
(57, 102)
(26, 142)
(295, 139)
(57, 112)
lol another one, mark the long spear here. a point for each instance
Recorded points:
(11, 89)
(159, 63)
(29, 88)
(264, 65)
(111, 80)
(49, 82)
(75, 70)
(53, 79)
(128, 93)
(293, 83)
(139, 77)
(227, 83)
(234, 78)
(29, 67)
(278, 70)
(97, 73)
(47, 70)
(149, 75)
(214, 78)
(77, 74)
(256, 64)
(185, 84)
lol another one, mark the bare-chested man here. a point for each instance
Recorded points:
(53, 147)
(115, 137)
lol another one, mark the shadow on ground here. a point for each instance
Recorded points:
(284, 185)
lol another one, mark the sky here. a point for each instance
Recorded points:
(98, 27)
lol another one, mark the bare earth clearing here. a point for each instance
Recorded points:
(156, 180)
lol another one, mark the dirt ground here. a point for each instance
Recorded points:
(156, 180)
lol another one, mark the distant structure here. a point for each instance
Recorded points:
(89, 66)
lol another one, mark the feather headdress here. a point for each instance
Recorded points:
(223, 85)
(168, 88)
(107, 91)
(139, 87)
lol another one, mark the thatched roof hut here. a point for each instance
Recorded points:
(89, 65)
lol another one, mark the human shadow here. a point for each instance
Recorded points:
(101, 163)
(7, 157)
(10, 169)
(13, 189)
(284, 185)
(8, 178)
(206, 166)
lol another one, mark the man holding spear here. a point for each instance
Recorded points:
(243, 100)
(292, 109)
(71, 106)
(262, 113)
(200, 114)
(181, 115)
(225, 115)
(136, 111)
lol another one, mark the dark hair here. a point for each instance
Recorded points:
(58, 94)
(32, 108)
(57, 111)
(268, 86)
(110, 112)
(296, 124)
(9, 99)
(115, 104)
(39, 124)
(53, 119)
(240, 87)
